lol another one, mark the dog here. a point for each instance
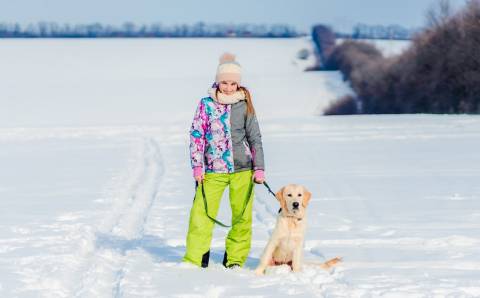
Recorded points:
(286, 243)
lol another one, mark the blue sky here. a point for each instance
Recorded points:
(341, 14)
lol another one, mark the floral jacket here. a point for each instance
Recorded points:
(224, 139)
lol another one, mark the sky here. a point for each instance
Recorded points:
(302, 14)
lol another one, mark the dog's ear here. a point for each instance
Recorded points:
(279, 196)
(306, 197)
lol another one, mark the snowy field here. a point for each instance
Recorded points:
(388, 47)
(96, 188)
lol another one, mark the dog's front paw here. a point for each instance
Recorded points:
(296, 268)
(259, 271)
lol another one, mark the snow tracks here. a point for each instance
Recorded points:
(122, 229)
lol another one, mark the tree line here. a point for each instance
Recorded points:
(130, 30)
(364, 31)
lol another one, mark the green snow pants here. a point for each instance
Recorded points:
(238, 241)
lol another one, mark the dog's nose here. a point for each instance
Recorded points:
(295, 205)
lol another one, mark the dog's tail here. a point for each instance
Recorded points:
(328, 264)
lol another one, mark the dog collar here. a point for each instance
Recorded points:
(298, 219)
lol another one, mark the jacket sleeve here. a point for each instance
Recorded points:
(254, 138)
(197, 136)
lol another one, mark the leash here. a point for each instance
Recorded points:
(269, 189)
(213, 219)
(244, 207)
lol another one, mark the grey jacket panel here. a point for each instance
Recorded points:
(246, 139)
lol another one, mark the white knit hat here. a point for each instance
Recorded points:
(228, 69)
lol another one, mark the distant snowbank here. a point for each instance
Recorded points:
(387, 47)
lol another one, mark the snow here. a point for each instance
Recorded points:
(96, 188)
(388, 47)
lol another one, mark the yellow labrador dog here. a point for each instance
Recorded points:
(286, 243)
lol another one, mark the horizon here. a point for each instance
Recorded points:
(342, 15)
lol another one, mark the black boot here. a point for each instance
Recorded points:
(225, 261)
(205, 259)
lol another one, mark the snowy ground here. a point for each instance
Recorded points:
(389, 47)
(95, 183)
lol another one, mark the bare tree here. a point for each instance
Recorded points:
(439, 13)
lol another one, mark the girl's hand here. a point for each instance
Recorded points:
(198, 174)
(199, 179)
(259, 176)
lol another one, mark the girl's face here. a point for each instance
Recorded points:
(228, 87)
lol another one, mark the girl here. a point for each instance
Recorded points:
(225, 150)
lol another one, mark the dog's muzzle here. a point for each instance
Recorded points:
(295, 205)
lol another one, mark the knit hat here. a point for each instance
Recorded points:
(228, 69)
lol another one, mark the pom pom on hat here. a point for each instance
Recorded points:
(227, 57)
(228, 69)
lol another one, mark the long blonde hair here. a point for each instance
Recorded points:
(248, 99)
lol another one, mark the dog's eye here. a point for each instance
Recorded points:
(299, 194)
(289, 195)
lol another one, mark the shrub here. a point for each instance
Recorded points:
(347, 105)
(350, 55)
(439, 73)
(303, 54)
(324, 39)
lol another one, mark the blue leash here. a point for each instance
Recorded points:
(219, 222)
(269, 189)
(243, 211)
